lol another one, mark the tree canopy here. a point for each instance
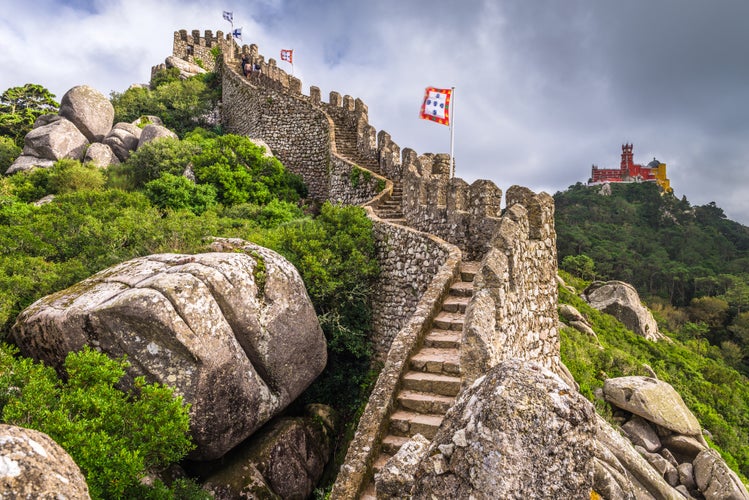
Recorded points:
(21, 106)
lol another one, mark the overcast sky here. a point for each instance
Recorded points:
(544, 88)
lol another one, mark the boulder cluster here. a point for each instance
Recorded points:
(670, 458)
(83, 130)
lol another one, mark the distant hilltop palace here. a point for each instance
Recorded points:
(629, 171)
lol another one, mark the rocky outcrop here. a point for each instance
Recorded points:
(234, 332)
(576, 320)
(100, 155)
(397, 476)
(152, 132)
(285, 460)
(653, 400)
(621, 300)
(89, 110)
(715, 480)
(665, 454)
(123, 139)
(518, 432)
(32, 465)
(56, 140)
(28, 162)
(186, 69)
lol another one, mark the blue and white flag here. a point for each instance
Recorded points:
(237, 33)
(229, 16)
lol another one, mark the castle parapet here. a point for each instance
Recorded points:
(197, 48)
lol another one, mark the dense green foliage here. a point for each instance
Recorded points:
(181, 104)
(115, 438)
(146, 205)
(658, 243)
(717, 394)
(19, 109)
(236, 170)
(691, 264)
(9, 151)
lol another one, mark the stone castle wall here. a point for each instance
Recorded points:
(196, 48)
(409, 261)
(298, 133)
(513, 311)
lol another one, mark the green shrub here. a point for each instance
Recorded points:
(165, 156)
(177, 192)
(275, 213)
(114, 437)
(9, 151)
(181, 104)
(241, 173)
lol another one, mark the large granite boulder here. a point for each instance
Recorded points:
(27, 162)
(32, 465)
(653, 400)
(56, 140)
(621, 300)
(517, 432)
(234, 332)
(715, 480)
(620, 468)
(89, 110)
(100, 155)
(152, 132)
(123, 139)
(285, 459)
(186, 69)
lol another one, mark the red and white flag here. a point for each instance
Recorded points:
(436, 105)
(287, 55)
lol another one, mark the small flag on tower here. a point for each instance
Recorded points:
(237, 33)
(287, 55)
(229, 16)
(436, 105)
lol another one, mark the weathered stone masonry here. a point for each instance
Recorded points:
(513, 312)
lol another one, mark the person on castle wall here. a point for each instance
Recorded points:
(257, 69)
(246, 64)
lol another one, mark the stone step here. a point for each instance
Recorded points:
(442, 338)
(436, 383)
(380, 462)
(469, 269)
(449, 321)
(456, 303)
(396, 220)
(408, 423)
(391, 444)
(423, 402)
(436, 360)
(462, 288)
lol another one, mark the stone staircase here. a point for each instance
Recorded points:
(429, 387)
(392, 209)
(345, 142)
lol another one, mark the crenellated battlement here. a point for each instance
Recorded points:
(196, 47)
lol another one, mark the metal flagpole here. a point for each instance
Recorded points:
(452, 132)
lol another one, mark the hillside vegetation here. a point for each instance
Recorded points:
(690, 264)
(144, 206)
